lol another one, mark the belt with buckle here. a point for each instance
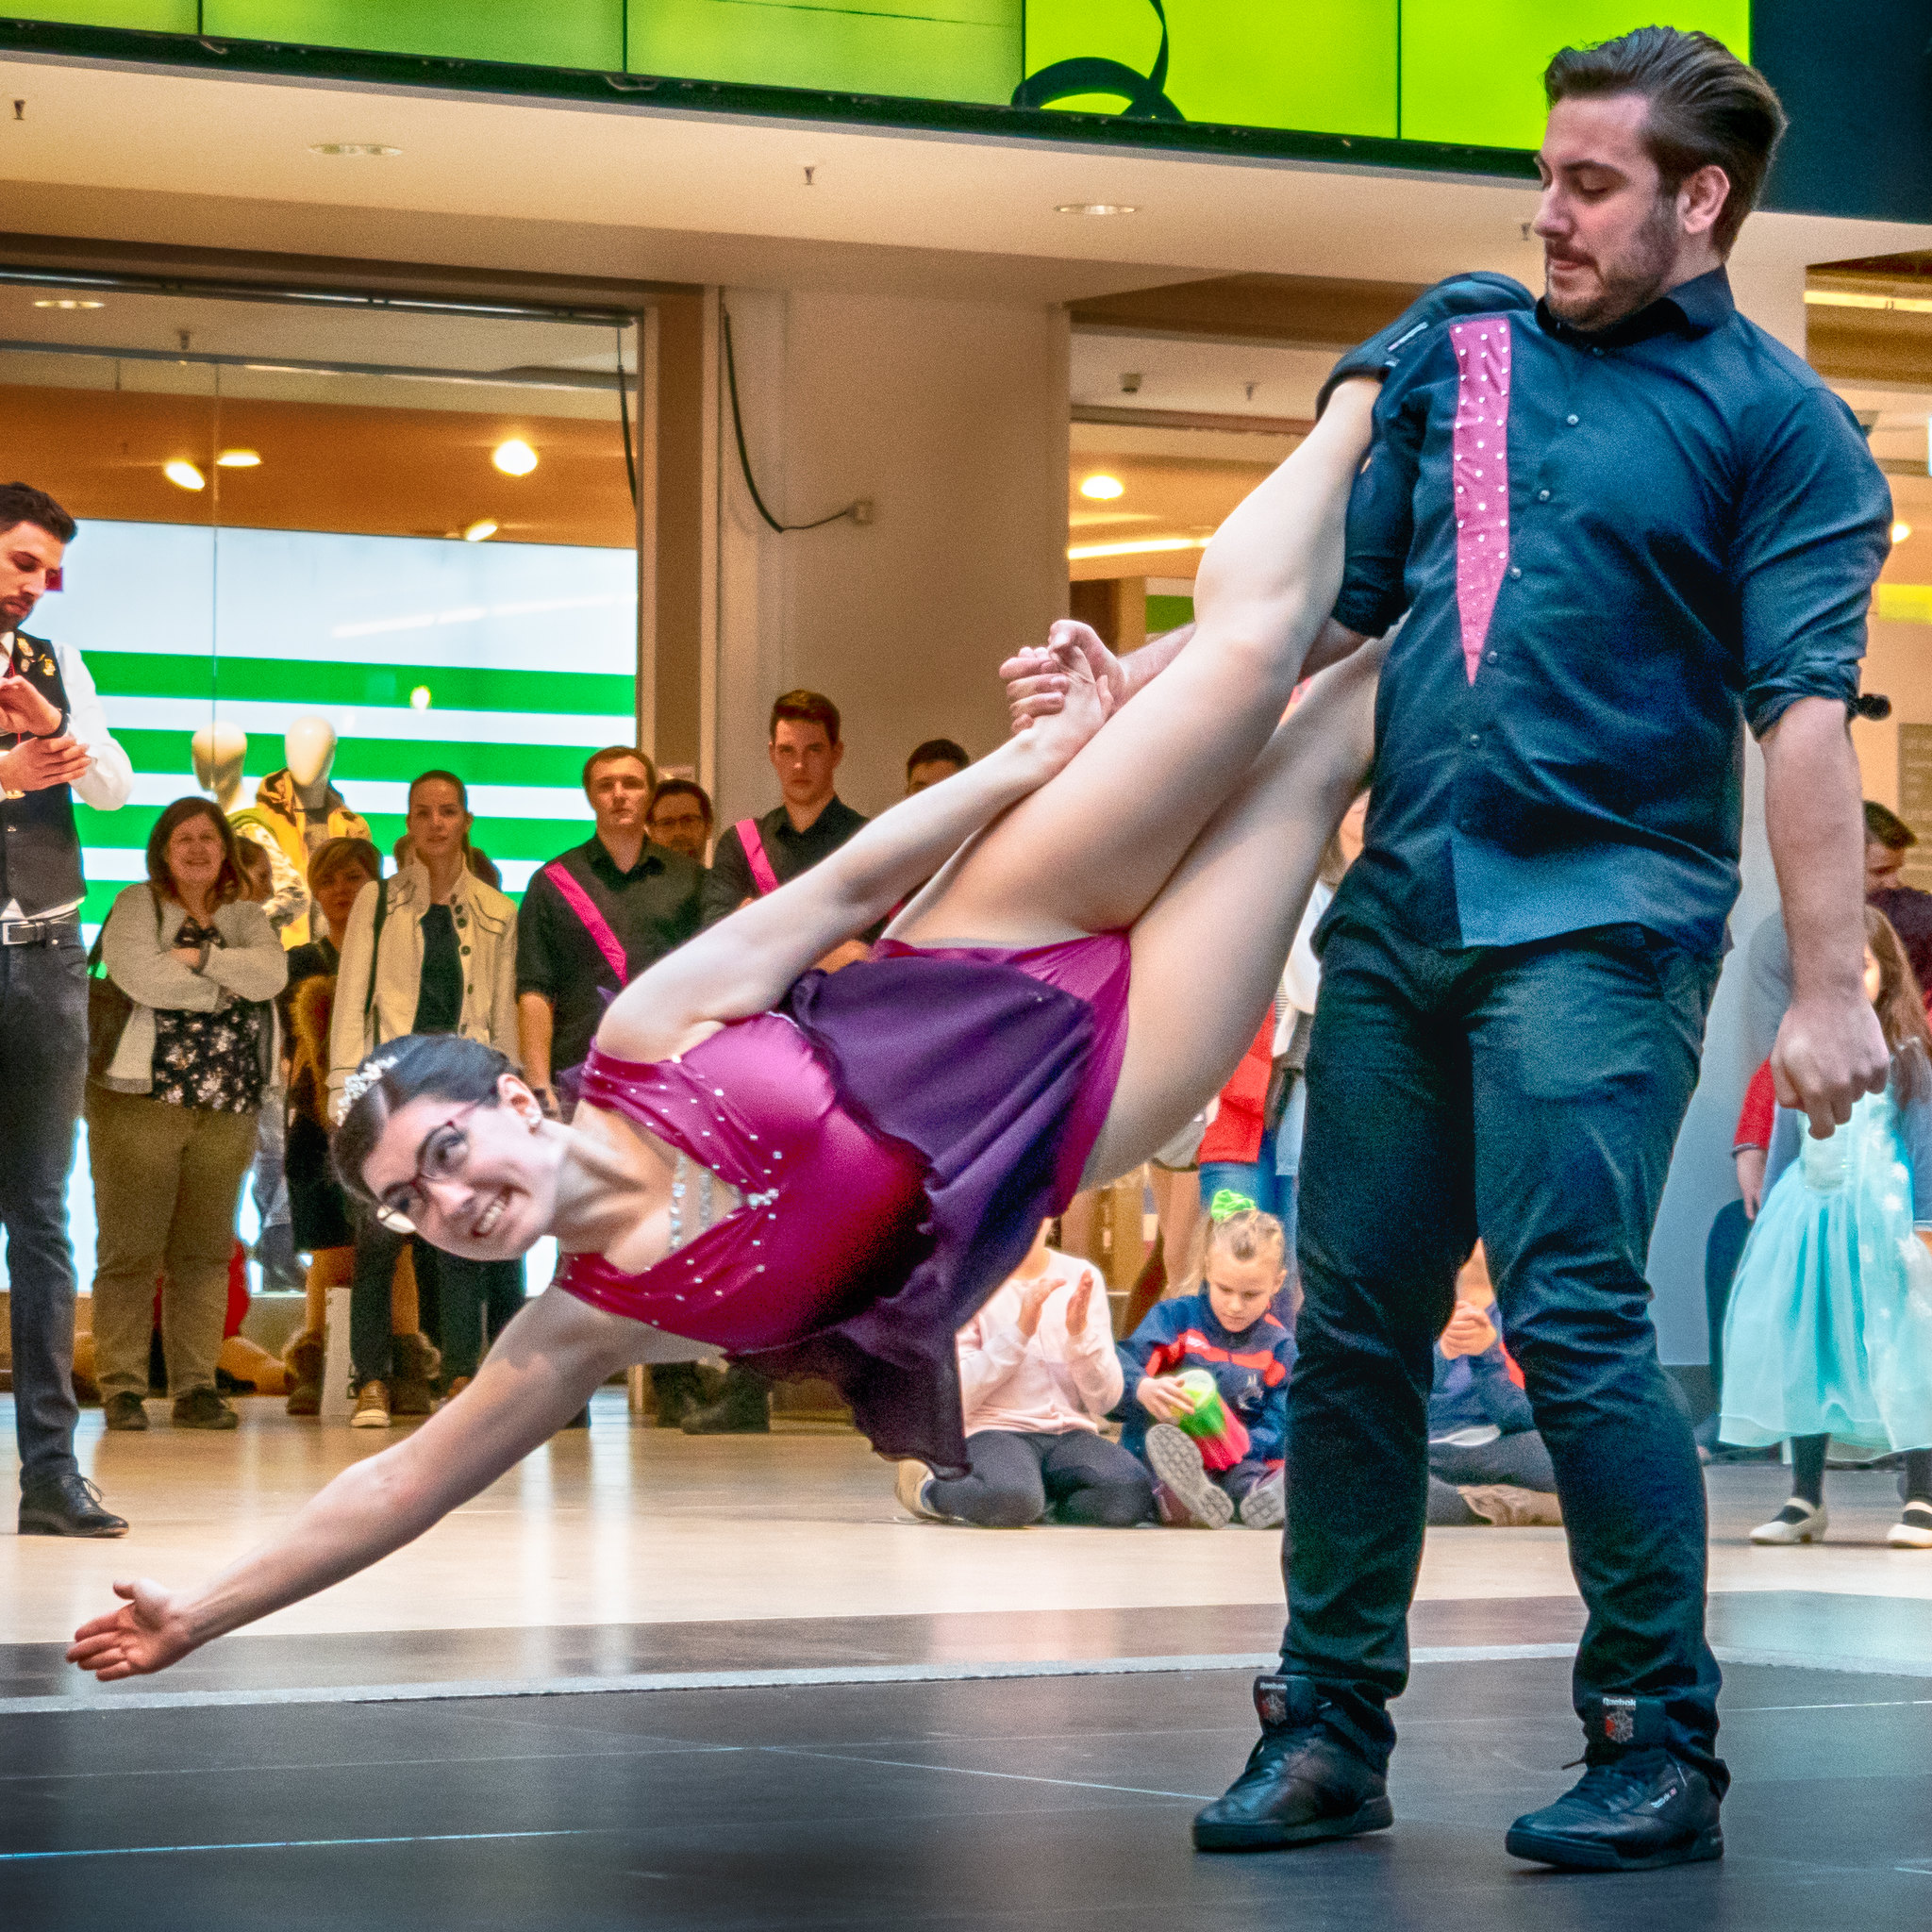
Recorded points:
(36, 932)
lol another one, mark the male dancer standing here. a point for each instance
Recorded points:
(1620, 521)
(1617, 522)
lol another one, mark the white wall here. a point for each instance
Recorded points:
(952, 417)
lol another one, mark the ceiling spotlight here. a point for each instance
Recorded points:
(514, 458)
(1900, 532)
(1103, 488)
(239, 460)
(66, 302)
(353, 150)
(1096, 207)
(183, 474)
(483, 528)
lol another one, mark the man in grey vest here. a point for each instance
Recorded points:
(53, 742)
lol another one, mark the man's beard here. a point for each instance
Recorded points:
(1633, 280)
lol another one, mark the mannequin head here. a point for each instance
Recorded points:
(310, 749)
(218, 752)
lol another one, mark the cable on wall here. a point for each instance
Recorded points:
(858, 512)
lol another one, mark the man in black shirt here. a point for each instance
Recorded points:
(594, 918)
(756, 856)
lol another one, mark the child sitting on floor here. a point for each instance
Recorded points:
(1037, 1371)
(1208, 1372)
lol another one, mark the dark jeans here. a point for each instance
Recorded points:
(1532, 1094)
(1016, 1478)
(1723, 1250)
(43, 1072)
(456, 1298)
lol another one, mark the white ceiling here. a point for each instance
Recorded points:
(643, 192)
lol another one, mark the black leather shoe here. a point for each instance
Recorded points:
(67, 1506)
(1302, 1785)
(1480, 293)
(1636, 1809)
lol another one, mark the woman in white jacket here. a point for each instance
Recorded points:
(172, 1110)
(430, 950)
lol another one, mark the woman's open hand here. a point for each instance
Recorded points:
(147, 1633)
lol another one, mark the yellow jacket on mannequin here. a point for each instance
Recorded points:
(280, 812)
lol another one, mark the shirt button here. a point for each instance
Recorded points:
(1515, 570)
(1476, 738)
(1543, 497)
(1571, 421)
(1494, 655)
(1597, 352)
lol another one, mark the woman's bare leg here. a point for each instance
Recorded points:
(1208, 952)
(1089, 852)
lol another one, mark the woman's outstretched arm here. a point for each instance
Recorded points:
(743, 964)
(539, 1373)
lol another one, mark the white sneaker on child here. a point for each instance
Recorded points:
(909, 1486)
(1189, 1498)
(1798, 1522)
(1913, 1530)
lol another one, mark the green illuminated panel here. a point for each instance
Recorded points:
(147, 16)
(1324, 66)
(562, 33)
(1472, 70)
(949, 50)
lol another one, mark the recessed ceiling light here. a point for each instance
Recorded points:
(67, 302)
(1103, 488)
(239, 460)
(353, 150)
(1096, 207)
(1900, 532)
(481, 528)
(183, 474)
(514, 458)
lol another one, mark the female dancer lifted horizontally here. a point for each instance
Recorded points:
(835, 1172)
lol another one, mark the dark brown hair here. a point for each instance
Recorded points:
(229, 883)
(805, 707)
(21, 503)
(443, 1065)
(683, 788)
(936, 751)
(1707, 109)
(1899, 1005)
(613, 752)
(1883, 828)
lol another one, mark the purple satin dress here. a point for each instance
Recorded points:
(897, 1132)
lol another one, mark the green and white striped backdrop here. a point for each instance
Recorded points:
(505, 663)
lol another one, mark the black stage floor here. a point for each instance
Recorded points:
(1030, 1805)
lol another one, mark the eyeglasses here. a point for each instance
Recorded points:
(440, 1157)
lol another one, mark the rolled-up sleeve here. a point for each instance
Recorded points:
(1381, 508)
(1813, 531)
(109, 777)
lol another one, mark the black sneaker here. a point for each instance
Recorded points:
(1635, 1812)
(1480, 293)
(67, 1506)
(1301, 1786)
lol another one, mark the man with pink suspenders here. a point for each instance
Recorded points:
(756, 856)
(594, 919)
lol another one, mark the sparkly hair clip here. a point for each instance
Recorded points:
(363, 1079)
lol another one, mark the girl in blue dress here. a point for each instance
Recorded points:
(1830, 1330)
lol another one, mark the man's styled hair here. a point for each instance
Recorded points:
(683, 788)
(609, 754)
(1707, 108)
(936, 751)
(1883, 828)
(805, 707)
(21, 503)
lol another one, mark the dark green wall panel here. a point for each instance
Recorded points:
(562, 33)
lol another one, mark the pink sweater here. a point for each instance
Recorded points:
(1051, 1382)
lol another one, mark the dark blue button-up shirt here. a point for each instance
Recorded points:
(1694, 527)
